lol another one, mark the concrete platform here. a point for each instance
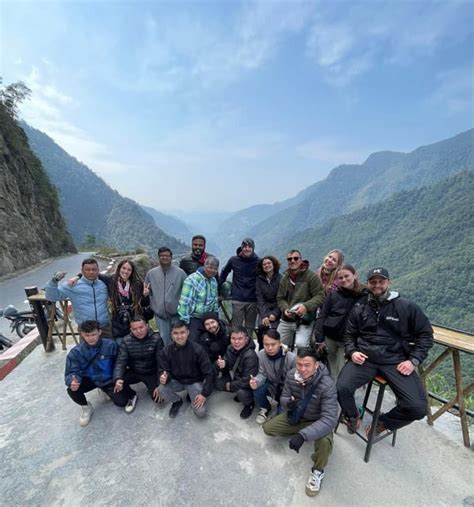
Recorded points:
(148, 459)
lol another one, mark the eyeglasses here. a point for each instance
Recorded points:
(289, 259)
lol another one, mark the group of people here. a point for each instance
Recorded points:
(321, 335)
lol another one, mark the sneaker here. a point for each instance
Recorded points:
(262, 416)
(353, 424)
(247, 411)
(174, 409)
(131, 404)
(86, 414)
(314, 482)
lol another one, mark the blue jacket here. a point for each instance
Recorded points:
(89, 299)
(96, 363)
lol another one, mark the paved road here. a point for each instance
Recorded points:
(12, 291)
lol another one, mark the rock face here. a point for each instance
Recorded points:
(31, 224)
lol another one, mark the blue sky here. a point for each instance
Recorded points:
(221, 105)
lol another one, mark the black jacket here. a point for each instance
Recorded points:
(244, 276)
(215, 344)
(190, 264)
(139, 356)
(388, 333)
(187, 365)
(332, 318)
(242, 363)
(267, 295)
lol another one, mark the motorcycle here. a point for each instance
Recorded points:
(21, 322)
(5, 342)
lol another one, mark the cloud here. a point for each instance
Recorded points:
(454, 90)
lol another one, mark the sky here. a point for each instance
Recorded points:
(206, 106)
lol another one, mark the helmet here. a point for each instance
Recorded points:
(10, 311)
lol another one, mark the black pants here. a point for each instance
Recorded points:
(411, 398)
(130, 377)
(87, 385)
(244, 395)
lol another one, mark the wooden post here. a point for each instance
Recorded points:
(460, 396)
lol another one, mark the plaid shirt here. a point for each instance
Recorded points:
(198, 296)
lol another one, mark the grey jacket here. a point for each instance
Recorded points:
(165, 290)
(268, 370)
(322, 407)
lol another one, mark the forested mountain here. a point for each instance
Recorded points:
(170, 224)
(424, 237)
(350, 187)
(91, 208)
(31, 223)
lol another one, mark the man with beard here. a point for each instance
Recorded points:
(215, 336)
(196, 258)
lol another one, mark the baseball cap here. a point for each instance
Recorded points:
(378, 272)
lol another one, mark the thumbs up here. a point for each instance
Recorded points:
(74, 383)
(220, 362)
(164, 377)
(253, 382)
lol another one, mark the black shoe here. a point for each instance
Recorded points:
(236, 399)
(247, 411)
(174, 409)
(188, 398)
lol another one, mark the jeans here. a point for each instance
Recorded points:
(260, 396)
(336, 357)
(294, 335)
(244, 314)
(164, 327)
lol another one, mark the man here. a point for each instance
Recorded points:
(274, 362)
(90, 365)
(185, 366)
(310, 400)
(199, 296)
(390, 336)
(88, 296)
(166, 282)
(244, 279)
(238, 365)
(215, 336)
(300, 293)
(137, 361)
(196, 258)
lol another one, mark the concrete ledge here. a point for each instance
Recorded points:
(13, 356)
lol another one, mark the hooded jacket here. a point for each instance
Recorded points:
(244, 277)
(215, 344)
(389, 332)
(241, 364)
(266, 292)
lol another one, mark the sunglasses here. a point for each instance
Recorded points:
(289, 259)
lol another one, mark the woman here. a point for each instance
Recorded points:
(328, 270)
(331, 321)
(268, 279)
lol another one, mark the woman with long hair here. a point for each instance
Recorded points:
(327, 272)
(332, 319)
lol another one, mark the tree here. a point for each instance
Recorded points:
(13, 95)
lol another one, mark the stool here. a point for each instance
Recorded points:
(371, 438)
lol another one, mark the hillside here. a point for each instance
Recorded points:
(424, 237)
(91, 207)
(31, 223)
(350, 187)
(170, 224)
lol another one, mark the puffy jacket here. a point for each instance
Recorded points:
(165, 290)
(321, 408)
(139, 355)
(88, 298)
(269, 369)
(94, 362)
(332, 318)
(247, 364)
(215, 344)
(307, 290)
(390, 332)
(188, 364)
(190, 264)
(244, 276)
(266, 292)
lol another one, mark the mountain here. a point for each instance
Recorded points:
(30, 220)
(350, 187)
(91, 208)
(424, 237)
(170, 224)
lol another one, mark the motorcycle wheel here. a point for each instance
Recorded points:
(5, 342)
(23, 327)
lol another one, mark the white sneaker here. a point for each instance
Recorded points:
(131, 404)
(262, 416)
(314, 482)
(86, 414)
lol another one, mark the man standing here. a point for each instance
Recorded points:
(88, 296)
(90, 365)
(199, 296)
(244, 279)
(166, 282)
(310, 400)
(390, 336)
(137, 361)
(185, 366)
(300, 293)
(196, 258)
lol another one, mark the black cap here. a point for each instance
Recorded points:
(248, 241)
(210, 315)
(378, 272)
